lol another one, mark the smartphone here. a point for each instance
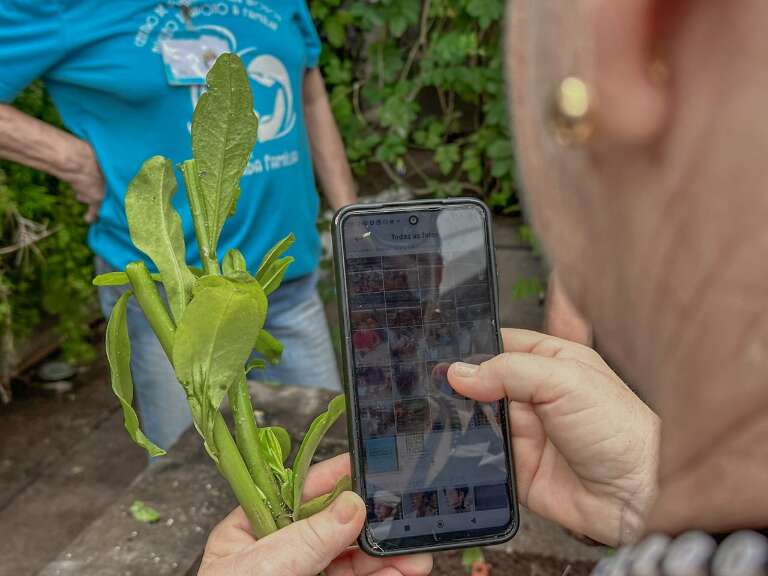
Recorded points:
(417, 291)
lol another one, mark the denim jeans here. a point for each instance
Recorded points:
(296, 317)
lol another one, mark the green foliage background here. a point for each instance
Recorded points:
(418, 92)
(53, 276)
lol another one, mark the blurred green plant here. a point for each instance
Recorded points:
(474, 562)
(418, 93)
(45, 263)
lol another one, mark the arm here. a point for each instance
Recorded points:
(34, 143)
(330, 159)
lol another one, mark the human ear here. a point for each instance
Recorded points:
(629, 81)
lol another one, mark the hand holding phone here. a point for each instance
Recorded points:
(417, 292)
(586, 447)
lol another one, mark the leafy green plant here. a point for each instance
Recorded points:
(418, 93)
(474, 562)
(213, 320)
(45, 264)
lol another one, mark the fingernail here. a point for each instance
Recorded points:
(463, 370)
(345, 507)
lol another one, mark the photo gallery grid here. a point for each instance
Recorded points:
(385, 506)
(405, 333)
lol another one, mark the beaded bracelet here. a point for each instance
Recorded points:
(695, 553)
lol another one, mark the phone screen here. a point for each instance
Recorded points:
(419, 288)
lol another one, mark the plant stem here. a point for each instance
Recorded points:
(197, 207)
(233, 468)
(146, 294)
(322, 502)
(247, 437)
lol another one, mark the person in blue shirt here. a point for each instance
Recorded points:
(103, 64)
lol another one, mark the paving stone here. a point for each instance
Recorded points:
(186, 489)
(516, 263)
(64, 461)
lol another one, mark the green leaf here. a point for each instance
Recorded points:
(528, 287)
(255, 365)
(240, 281)
(309, 445)
(272, 452)
(486, 11)
(446, 156)
(430, 135)
(471, 555)
(119, 357)
(224, 131)
(283, 439)
(274, 278)
(286, 490)
(269, 347)
(322, 502)
(335, 31)
(234, 261)
(143, 512)
(398, 113)
(155, 228)
(271, 258)
(118, 279)
(212, 344)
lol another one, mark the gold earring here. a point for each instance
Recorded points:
(571, 112)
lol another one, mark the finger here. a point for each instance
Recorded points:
(358, 563)
(518, 340)
(389, 571)
(531, 342)
(307, 547)
(232, 535)
(412, 565)
(517, 376)
(322, 477)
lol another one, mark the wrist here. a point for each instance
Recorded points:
(75, 161)
(634, 513)
(344, 197)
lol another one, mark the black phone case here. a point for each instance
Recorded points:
(351, 394)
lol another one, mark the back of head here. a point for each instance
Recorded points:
(656, 224)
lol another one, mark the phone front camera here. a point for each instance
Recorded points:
(413, 220)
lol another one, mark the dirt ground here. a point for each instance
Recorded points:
(519, 564)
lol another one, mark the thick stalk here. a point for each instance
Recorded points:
(146, 294)
(247, 437)
(197, 207)
(233, 468)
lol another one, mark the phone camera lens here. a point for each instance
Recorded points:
(413, 220)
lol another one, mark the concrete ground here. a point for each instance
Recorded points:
(68, 472)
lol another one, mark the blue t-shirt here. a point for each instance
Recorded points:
(102, 65)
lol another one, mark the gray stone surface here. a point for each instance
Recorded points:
(515, 263)
(541, 537)
(187, 490)
(62, 462)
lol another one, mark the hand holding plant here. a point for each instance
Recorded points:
(319, 543)
(213, 319)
